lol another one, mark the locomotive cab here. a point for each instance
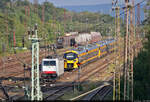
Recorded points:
(52, 68)
(49, 68)
(70, 60)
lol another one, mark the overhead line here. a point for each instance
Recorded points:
(133, 6)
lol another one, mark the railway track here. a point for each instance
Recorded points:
(84, 70)
(99, 68)
(66, 86)
(54, 93)
(16, 69)
(60, 89)
(84, 76)
(101, 91)
(99, 94)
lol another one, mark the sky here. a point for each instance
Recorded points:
(82, 2)
(78, 2)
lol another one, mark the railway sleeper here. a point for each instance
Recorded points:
(15, 78)
(16, 97)
(101, 94)
(56, 96)
(89, 96)
(49, 93)
(106, 93)
(98, 94)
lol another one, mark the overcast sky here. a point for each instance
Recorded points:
(82, 2)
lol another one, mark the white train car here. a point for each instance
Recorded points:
(95, 36)
(52, 68)
(83, 38)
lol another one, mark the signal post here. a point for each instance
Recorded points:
(36, 93)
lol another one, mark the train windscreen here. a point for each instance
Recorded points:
(59, 40)
(49, 63)
(70, 56)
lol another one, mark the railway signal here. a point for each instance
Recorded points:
(36, 93)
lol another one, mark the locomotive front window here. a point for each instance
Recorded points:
(70, 56)
(49, 63)
(60, 40)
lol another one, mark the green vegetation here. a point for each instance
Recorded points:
(15, 18)
(142, 66)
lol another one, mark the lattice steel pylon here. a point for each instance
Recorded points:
(118, 53)
(131, 51)
(36, 93)
(116, 82)
(127, 48)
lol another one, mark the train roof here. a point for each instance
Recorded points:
(82, 49)
(104, 42)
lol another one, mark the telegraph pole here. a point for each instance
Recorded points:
(79, 76)
(114, 70)
(118, 46)
(132, 51)
(132, 54)
(116, 82)
(137, 26)
(14, 38)
(43, 13)
(43, 22)
(126, 49)
(64, 20)
(36, 93)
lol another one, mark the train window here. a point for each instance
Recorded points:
(70, 56)
(80, 48)
(88, 46)
(60, 40)
(49, 63)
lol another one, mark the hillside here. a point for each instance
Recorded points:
(18, 15)
(102, 8)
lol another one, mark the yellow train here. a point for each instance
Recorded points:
(88, 53)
